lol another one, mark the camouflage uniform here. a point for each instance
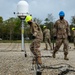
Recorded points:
(61, 31)
(47, 38)
(34, 47)
(74, 37)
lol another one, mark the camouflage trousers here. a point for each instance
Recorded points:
(48, 41)
(34, 47)
(59, 43)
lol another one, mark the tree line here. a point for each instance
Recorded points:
(10, 29)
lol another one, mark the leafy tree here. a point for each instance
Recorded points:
(1, 24)
(71, 26)
(38, 21)
(1, 19)
(73, 20)
(49, 21)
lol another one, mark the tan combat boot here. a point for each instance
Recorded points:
(53, 55)
(65, 57)
(33, 61)
(51, 48)
(46, 47)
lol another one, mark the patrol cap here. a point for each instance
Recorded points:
(61, 13)
(28, 18)
(44, 26)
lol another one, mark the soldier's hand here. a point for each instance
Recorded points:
(34, 34)
(69, 37)
(55, 37)
(33, 37)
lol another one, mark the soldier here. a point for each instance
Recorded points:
(61, 34)
(37, 38)
(47, 37)
(73, 29)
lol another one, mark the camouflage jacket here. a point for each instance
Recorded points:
(36, 31)
(61, 29)
(46, 33)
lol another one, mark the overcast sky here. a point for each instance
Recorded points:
(39, 8)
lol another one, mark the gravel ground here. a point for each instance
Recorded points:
(14, 62)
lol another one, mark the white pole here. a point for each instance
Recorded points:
(22, 36)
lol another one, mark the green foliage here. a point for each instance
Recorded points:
(73, 20)
(38, 21)
(10, 29)
(1, 19)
